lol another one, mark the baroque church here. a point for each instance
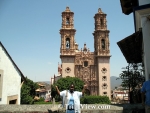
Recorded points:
(91, 67)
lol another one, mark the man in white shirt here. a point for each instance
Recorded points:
(71, 99)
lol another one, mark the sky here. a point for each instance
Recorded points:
(29, 30)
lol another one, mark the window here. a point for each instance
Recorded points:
(104, 93)
(85, 63)
(104, 70)
(104, 86)
(68, 70)
(13, 101)
(67, 21)
(67, 43)
(104, 78)
(101, 20)
(103, 43)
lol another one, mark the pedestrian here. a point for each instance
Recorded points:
(71, 99)
(145, 92)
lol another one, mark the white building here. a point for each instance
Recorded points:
(136, 46)
(142, 20)
(41, 91)
(11, 79)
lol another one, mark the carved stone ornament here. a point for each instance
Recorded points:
(104, 70)
(105, 93)
(77, 61)
(104, 86)
(104, 78)
(68, 70)
(103, 35)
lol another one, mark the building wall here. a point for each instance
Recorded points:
(83, 63)
(11, 79)
(103, 62)
(68, 67)
(143, 22)
(146, 43)
(1, 81)
(99, 108)
(143, 2)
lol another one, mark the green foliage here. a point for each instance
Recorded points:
(41, 99)
(95, 100)
(64, 83)
(28, 92)
(132, 79)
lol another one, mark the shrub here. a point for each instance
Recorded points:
(95, 100)
(28, 92)
(41, 99)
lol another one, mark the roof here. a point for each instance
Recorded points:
(41, 90)
(22, 76)
(41, 84)
(131, 47)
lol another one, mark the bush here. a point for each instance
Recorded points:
(28, 92)
(95, 100)
(41, 99)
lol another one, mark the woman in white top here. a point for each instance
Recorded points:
(71, 98)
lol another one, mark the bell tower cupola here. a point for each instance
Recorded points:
(67, 19)
(67, 33)
(101, 34)
(68, 45)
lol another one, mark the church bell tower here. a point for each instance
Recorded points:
(102, 52)
(91, 67)
(67, 49)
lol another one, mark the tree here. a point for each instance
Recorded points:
(131, 79)
(64, 83)
(132, 76)
(28, 92)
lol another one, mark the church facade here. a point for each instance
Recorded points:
(92, 67)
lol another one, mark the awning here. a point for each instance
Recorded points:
(131, 47)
